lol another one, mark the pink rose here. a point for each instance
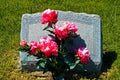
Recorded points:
(60, 32)
(32, 43)
(33, 47)
(22, 43)
(63, 31)
(49, 16)
(48, 46)
(71, 27)
(83, 54)
(33, 50)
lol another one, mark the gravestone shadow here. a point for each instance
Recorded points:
(77, 43)
(108, 59)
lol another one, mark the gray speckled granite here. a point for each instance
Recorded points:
(89, 29)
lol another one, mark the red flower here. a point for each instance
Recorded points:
(48, 46)
(49, 16)
(61, 32)
(71, 27)
(33, 50)
(33, 47)
(83, 54)
(22, 43)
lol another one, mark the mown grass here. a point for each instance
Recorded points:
(10, 23)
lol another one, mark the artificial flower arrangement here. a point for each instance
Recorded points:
(52, 50)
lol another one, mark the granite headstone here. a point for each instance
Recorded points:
(89, 28)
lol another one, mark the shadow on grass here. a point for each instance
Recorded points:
(108, 59)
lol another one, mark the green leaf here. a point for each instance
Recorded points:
(26, 48)
(50, 31)
(42, 64)
(39, 67)
(77, 61)
(72, 65)
(47, 27)
(81, 65)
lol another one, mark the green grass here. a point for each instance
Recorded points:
(10, 23)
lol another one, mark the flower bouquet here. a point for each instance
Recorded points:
(52, 50)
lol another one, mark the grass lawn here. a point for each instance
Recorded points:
(10, 23)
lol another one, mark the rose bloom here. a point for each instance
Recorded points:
(23, 43)
(33, 47)
(48, 46)
(63, 30)
(33, 50)
(83, 54)
(49, 16)
(71, 27)
(60, 32)
(32, 43)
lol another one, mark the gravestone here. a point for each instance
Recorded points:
(89, 28)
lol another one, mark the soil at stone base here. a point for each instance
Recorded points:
(40, 76)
